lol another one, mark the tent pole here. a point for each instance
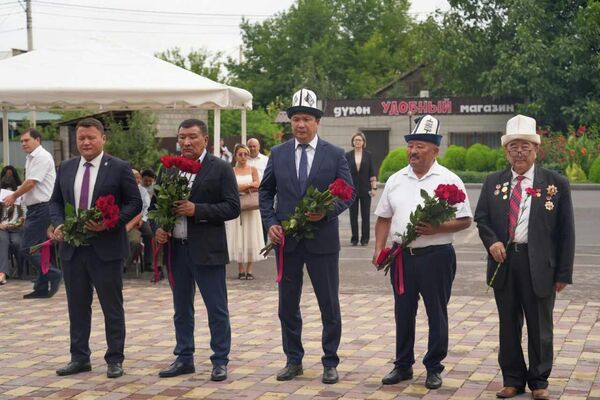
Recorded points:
(244, 126)
(5, 140)
(217, 128)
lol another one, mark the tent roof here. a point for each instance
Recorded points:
(98, 75)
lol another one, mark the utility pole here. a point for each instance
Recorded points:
(32, 116)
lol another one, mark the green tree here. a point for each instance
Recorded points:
(201, 62)
(134, 141)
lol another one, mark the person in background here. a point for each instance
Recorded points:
(139, 228)
(525, 221)
(11, 221)
(257, 159)
(36, 191)
(225, 153)
(148, 181)
(362, 169)
(244, 234)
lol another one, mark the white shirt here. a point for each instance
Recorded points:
(180, 228)
(145, 202)
(79, 179)
(310, 153)
(402, 194)
(260, 163)
(39, 167)
(525, 206)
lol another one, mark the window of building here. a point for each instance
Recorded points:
(466, 139)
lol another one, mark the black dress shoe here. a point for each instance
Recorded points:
(177, 368)
(353, 243)
(433, 381)
(397, 375)
(54, 286)
(114, 370)
(290, 372)
(74, 367)
(36, 294)
(330, 375)
(219, 373)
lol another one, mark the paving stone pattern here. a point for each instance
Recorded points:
(35, 342)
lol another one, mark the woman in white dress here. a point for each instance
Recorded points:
(245, 233)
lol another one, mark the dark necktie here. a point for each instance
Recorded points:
(85, 187)
(303, 168)
(515, 207)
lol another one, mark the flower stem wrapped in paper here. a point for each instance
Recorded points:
(298, 226)
(173, 187)
(435, 210)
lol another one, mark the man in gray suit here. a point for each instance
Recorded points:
(293, 166)
(525, 220)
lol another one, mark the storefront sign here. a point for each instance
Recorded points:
(395, 107)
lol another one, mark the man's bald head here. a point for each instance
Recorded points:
(254, 147)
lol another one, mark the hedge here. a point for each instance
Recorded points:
(594, 174)
(454, 158)
(393, 162)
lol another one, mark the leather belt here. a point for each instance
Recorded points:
(36, 205)
(419, 251)
(517, 247)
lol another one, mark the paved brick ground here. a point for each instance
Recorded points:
(34, 342)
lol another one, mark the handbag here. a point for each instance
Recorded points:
(249, 201)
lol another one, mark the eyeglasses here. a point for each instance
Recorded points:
(516, 152)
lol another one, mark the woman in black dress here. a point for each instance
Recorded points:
(361, 166)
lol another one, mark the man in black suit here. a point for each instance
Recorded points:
(293, 167)
(80, 181)
(525, 220)
(200, 252)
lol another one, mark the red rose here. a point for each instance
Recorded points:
(383, 255)
(167, 160)
(339, 188)
(451, 194)
(187, 165)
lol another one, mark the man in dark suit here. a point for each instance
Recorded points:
(293, 166)
(80, 181)
(525, 220)
(200, 252)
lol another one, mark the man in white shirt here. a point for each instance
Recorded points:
(257, 159)
(429, 261)
(40, 174)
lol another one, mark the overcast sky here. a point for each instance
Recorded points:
(148, 25)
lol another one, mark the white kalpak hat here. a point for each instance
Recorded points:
(427, 129)
(520, 127)
(304, 101)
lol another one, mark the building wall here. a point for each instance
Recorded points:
(339, 130)
(167, 121)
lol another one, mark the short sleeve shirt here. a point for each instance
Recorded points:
(402, 195)
(39, 167)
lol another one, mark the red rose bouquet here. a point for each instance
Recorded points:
(173, 187)
(297, 225)
(74, 231)
(435, 210)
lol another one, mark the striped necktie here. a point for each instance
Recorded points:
(514, 208)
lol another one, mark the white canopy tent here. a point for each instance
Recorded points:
(95, 75)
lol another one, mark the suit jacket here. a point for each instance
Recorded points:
(281, 180)
(216, 197)
(114, 177)
(551, 230)
(362, 177)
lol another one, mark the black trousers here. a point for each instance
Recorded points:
(515, 300)
(429, 275)
(324, 274)
(365, 216)
(84, 273)
(211, 282)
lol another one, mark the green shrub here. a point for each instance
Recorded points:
(554, 166)
(454, 158)
(501, 161)
(594, 175)
(480, 158)
(575, 173)
(472, 176)
(394, 161)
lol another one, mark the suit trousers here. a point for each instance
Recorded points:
(429, 275)
(515, 299)
(83, 273)
(37, 222)
(365, 216)
(324, 274)
(211, 282)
